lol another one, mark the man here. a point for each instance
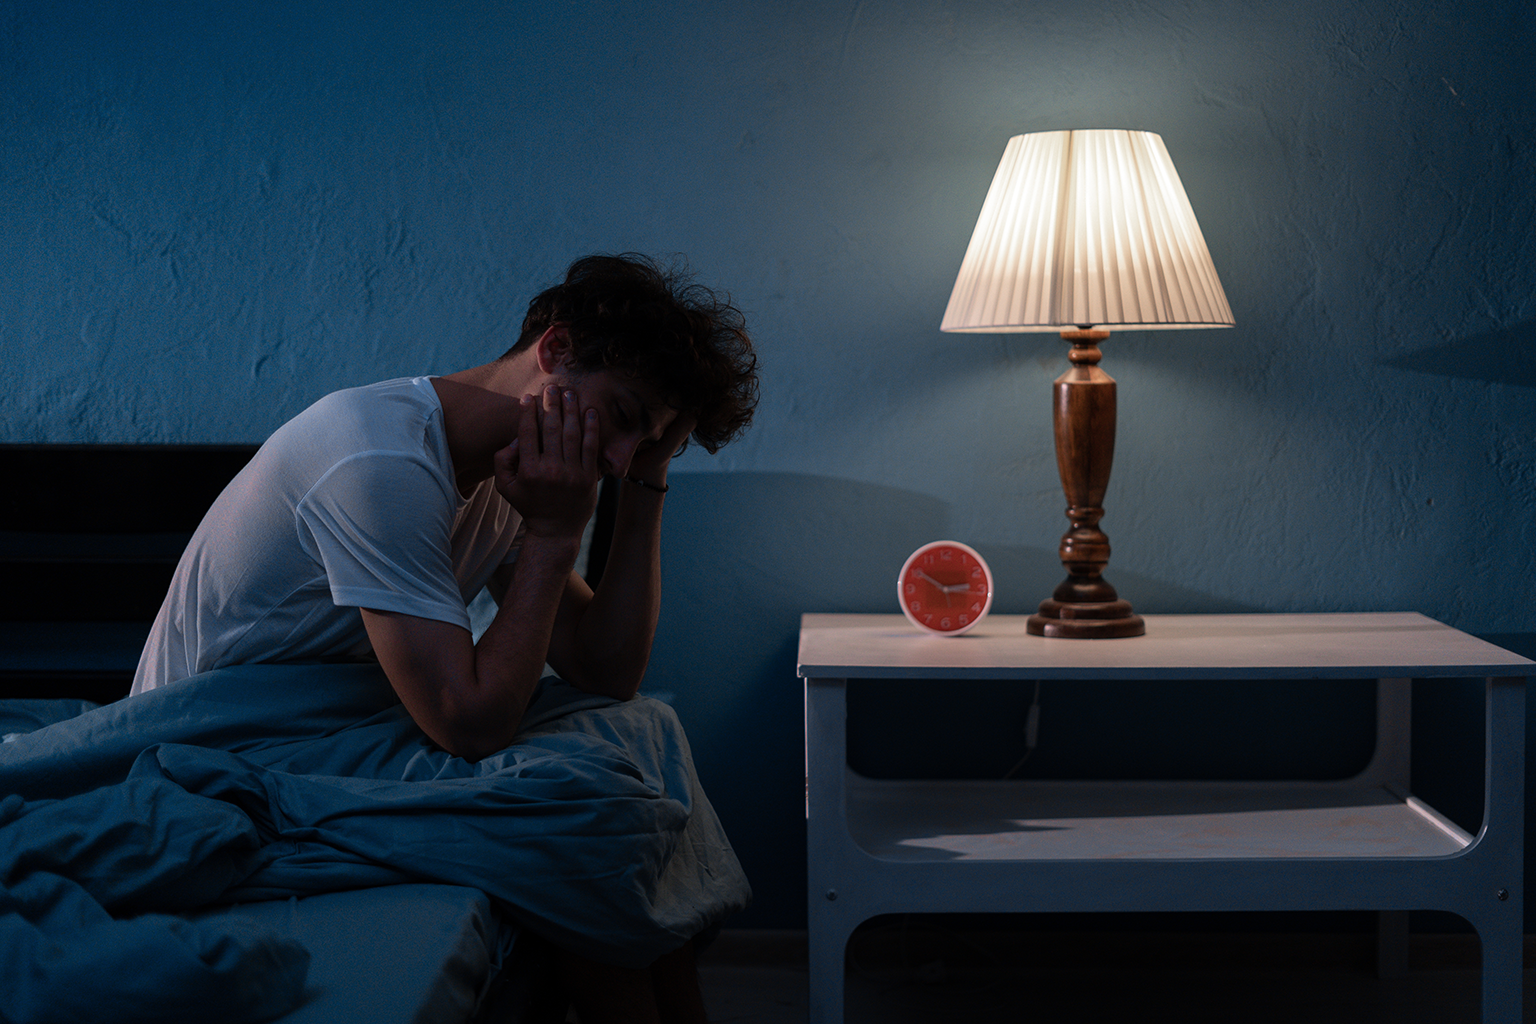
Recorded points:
(365, 525)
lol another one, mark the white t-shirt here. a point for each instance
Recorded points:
(351, 504)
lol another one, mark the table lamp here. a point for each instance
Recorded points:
(1082, 231)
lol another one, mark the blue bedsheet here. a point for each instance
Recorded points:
(268, 781)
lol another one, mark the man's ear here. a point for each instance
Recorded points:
(554, 349)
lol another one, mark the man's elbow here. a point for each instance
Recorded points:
(476, 745)
(619, 686)
(473, 751)
(472, 734)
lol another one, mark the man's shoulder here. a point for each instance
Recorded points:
(394, 414)
(362, 436)
(403, 394)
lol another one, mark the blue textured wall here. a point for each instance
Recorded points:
(211, 214)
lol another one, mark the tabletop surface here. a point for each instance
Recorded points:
(1335, 645)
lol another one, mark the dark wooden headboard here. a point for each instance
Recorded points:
(89, 538)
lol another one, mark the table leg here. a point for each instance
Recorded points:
(828, 945)
(1500, 917)
(827, 844)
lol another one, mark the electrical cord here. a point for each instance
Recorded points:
(1031, 732)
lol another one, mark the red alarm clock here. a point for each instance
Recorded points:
(945, 587)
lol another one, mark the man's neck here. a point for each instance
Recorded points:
(480, 413)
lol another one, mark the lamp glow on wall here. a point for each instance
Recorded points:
(1082, 231)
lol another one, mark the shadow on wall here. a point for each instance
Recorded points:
(1498, 357)
(745, 555)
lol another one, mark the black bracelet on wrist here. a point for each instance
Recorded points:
(647, 484)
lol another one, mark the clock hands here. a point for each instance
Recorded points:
(945, 588)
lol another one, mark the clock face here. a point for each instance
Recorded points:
(945, 588)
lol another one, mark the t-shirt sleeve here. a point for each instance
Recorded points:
(380, 523)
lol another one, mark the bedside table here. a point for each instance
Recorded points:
(976, 846)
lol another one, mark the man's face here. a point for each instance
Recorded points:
(631, 415)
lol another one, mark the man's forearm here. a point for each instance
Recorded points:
(511, 653)
(616, 629)
(470, 698)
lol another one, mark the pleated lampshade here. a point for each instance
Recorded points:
(1087, 228)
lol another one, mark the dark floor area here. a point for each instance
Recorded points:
(930, 975)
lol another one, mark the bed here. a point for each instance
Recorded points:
(407, 952)
(280, 841)
(362, 890)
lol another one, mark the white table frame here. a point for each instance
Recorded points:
(1365, 843)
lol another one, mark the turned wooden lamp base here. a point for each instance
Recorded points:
(1086, 620)
(1085, 606)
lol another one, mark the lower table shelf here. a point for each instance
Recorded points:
(1026, 820)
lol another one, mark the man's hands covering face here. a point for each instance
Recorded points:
(550, 471)
(651, 461)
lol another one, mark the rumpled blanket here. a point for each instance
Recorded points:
(269, 781)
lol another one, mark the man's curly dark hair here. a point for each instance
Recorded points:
(632, 315)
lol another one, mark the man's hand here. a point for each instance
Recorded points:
(468, 697)
(550, 471)
(650, 463)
